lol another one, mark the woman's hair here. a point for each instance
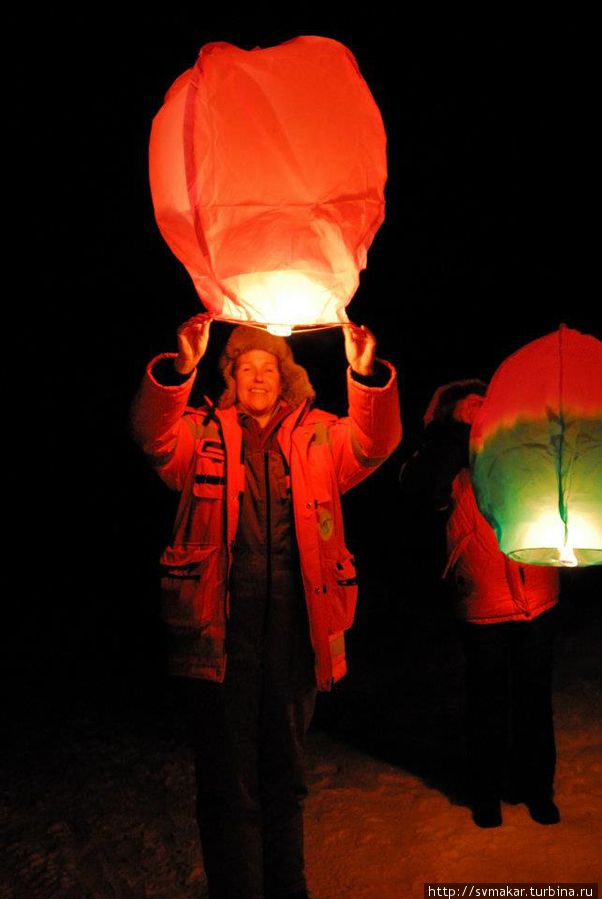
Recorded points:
(441, 406)
(296, 386)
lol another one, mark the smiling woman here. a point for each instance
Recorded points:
(257, 379)
(259, 586)
(294, 386)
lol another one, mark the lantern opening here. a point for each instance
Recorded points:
(545, 542)
(285, 298)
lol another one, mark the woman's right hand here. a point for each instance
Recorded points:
(193, 337)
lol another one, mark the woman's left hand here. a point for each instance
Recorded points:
(360, 347)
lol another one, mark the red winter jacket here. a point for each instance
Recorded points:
(198, 453)
(489, 586)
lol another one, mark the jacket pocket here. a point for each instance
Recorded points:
(210, 470)
(343, 594)
(324, 509)
(203, 511)
(193, 593)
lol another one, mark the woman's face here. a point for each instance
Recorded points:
(466, 409)
(258, 383)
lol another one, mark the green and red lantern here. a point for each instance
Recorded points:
(536, 452)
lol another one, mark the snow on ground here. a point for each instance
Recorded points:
(98, 798)
(374, 830)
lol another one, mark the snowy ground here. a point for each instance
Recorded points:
(98, 801)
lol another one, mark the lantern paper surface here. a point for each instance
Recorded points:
(536, 452)
(267, 171)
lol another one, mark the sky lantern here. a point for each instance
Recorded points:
(536, 452)
(267, 171)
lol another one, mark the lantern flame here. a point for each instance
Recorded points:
(548, 531)
(282, 300)
(566, 556)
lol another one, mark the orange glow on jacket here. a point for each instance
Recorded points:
(199, 454)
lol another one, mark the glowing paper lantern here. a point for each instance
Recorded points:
(536, 452)
(267, 172)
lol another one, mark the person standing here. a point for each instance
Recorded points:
(507, 618)
(259, 586)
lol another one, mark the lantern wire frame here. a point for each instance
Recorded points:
(277, 328)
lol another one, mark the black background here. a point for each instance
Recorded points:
(486, 245)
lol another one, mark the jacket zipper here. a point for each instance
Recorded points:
(319, 663)
(268, 538)
(225, 527)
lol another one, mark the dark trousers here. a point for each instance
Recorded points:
(249, 737)
(510, 727)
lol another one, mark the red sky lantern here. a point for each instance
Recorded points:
(536, 450)
(267, 171)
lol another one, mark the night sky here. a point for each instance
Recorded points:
(485, 246)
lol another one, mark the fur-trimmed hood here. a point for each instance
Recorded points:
(441, 406)
(296, 386)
